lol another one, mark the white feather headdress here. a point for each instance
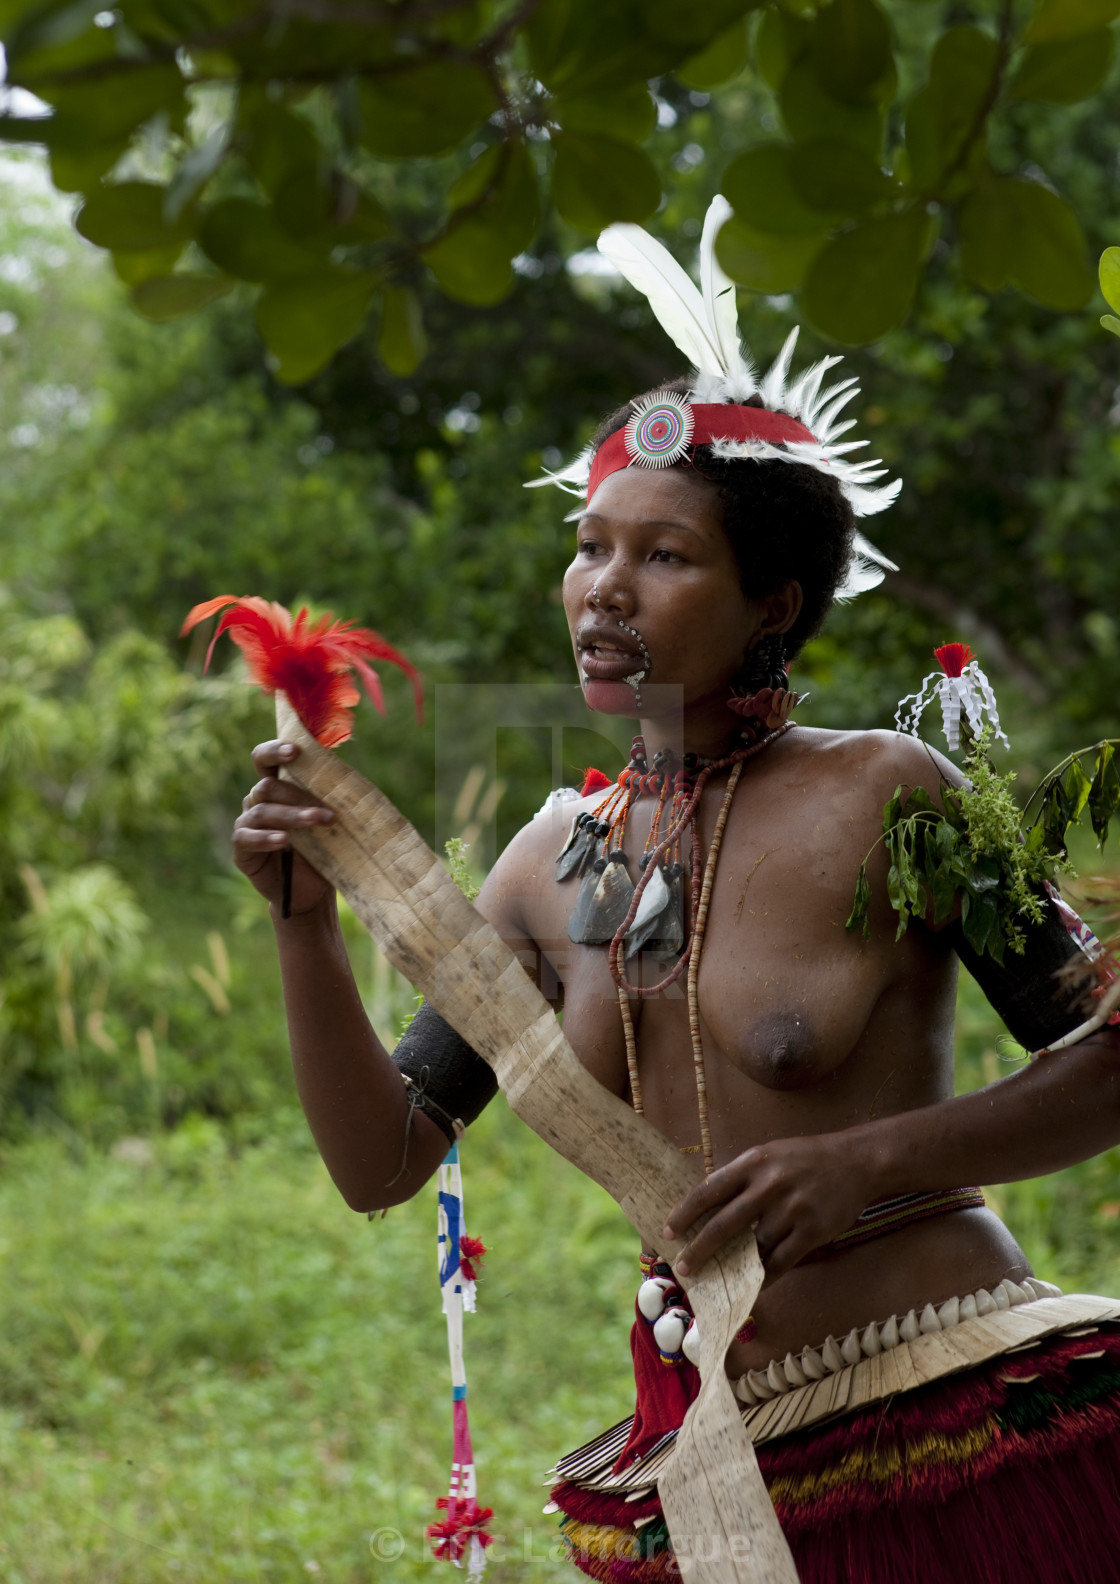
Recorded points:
(703, 323)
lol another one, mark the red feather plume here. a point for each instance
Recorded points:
(953, 657)
(309, 661)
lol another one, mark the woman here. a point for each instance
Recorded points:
(811, 1067)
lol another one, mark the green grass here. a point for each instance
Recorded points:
(211, 1370)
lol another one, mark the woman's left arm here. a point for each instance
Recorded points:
(803, 1192)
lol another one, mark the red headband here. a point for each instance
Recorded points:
(710, 421)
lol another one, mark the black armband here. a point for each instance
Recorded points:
(1029, 990)
(447, 1078)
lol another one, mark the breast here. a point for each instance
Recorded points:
(779, 1051)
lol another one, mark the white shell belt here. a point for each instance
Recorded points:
(813, 1364)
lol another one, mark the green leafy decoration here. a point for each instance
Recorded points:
(977, 852)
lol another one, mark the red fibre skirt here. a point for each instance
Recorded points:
(1007, 1474)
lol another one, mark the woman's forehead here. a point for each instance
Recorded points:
(663, 497)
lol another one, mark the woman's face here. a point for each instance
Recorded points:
(651, 552)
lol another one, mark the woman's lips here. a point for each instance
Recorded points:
(603, 663)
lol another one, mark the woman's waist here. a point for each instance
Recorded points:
(901, 1272)
(901, 1255)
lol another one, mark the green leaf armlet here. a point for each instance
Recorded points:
(980, 851)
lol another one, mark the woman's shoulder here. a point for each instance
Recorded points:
(878, 759)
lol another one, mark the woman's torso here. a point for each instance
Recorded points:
(807, 1028)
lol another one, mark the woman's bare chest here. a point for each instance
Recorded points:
(782, 990)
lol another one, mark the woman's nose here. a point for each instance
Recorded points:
(609, 594)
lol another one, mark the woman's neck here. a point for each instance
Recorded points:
(710, 732)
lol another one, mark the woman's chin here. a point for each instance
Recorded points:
(610, 698)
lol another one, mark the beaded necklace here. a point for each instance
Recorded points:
(651, 914)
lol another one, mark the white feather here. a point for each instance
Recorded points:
(773, 386)
(801, 401)
(719, 296)
(859, 579)
(675, 300)
(865, 548)
(839, 397)
(572, 478)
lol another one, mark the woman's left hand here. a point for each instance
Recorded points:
(796, 1193)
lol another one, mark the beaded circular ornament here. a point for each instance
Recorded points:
(660, 430)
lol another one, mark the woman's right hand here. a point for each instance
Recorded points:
(270, 811)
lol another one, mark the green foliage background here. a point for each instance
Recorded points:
(189, 1310)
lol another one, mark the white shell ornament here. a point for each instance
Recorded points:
(669, 1330)
(691, 1345)
(660, 430)
(653, 1295)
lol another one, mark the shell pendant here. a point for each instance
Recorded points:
(647, 920)
(603, 901)
(666, 936)
(572, 857)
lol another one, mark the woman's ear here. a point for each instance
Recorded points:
(783, 608)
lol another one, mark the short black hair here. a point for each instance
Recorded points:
(787, 522)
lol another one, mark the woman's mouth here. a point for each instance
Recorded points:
(606, 662)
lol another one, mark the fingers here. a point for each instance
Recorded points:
(264, 826)
(734, 1218)
(271, 790)
(716, 1188)
(274, 753)
(784, 1255)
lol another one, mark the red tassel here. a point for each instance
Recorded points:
(594, 781)
(453, 1534)
(953, 657)
(471, 1249)
(664, 1393)
(309, 661)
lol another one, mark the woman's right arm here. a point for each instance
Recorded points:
(351, 1090)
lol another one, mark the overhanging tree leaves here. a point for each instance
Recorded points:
(259, 141)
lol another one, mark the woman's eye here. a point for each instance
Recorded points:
(666, 555)
(588, 547)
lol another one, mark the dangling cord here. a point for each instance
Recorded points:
(698, 927)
